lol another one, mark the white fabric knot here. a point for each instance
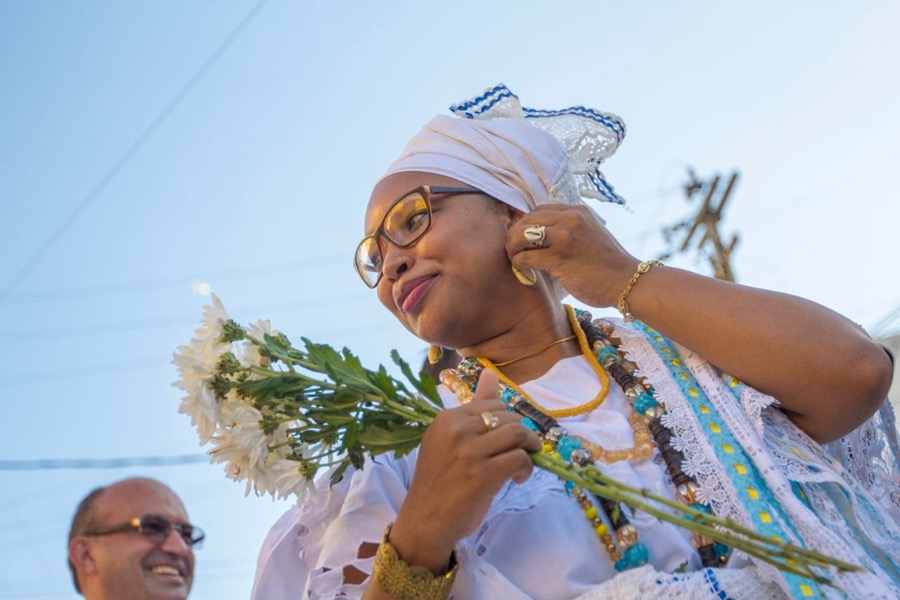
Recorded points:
(521, 156)
(587, 136)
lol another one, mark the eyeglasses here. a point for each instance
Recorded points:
(405, 222)
(157, 530)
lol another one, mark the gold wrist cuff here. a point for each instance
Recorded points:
(622, 305)
(408, 582)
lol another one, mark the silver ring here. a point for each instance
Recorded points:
(536, 235)
(490, 420)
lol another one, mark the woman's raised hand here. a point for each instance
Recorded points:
(466, 456)
(809, 357)
(576, 248)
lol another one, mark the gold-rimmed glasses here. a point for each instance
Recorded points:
(405, 222)
(156, 529)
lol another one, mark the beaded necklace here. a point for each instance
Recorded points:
(625, 550)
(642, 447)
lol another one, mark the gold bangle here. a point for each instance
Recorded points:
(406, 581)
(622, 305)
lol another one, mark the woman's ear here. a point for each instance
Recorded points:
(512, 214)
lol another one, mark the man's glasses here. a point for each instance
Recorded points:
(157, 530)
(403, 225)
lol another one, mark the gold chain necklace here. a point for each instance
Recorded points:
(586, 351)
(642, 447)
(542, 350)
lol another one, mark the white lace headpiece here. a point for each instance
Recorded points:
(521, 156)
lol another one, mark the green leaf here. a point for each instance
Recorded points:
(428, 387)
(338, 473)
(384, 382)
(357, 458)
(378, 439)
(425, 386)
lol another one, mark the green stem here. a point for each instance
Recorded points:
(402, 410)
(755, 544)
(266, 372)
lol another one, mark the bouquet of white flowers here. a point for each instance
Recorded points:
(276, 415)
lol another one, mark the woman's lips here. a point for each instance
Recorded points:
(411, 293)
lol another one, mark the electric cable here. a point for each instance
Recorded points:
(130, 152)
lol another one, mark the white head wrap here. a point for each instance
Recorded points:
(521, 156)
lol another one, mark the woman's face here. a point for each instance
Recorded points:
(446, 287)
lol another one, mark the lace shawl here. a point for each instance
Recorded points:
(842, 500)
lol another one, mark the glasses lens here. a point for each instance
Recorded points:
(407, 220)
(155, 528)
(188, 534)
(368, 261)
(404, 223)
(194, 536)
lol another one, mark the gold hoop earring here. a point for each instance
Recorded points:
(435, 354)
(525, 276)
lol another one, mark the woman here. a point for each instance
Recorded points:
(474, 236)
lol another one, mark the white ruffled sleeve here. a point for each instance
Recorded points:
(308, 549)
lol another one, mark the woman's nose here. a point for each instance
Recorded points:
(395, 260)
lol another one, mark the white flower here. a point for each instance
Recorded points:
(242, 424)
(196, 369)
(270, 463)
(213, 318)
(196, 364)
(290, 480)
(236, 459)
(207, 343)
(248, 353)
(243, 445)
(260, 328)
(200, 404)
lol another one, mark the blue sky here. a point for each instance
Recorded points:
(138, 164)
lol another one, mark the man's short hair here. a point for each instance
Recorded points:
(82, 522)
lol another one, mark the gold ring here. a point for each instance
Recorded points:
(536, 235)
(490, 420)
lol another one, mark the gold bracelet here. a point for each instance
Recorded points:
(408, 582)
(642, 268)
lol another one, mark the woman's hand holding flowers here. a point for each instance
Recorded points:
(463, 462)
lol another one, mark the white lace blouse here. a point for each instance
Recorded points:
(535, 541)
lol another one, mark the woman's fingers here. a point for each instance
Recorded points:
(488, 386)
(468, 453)
(505, 461)
(494, 416)
(576, 248)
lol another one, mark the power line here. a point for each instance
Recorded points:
(136, 364)
(101, 463)
(77, 372)
(132, 150)
(156, 322)
(171, 282)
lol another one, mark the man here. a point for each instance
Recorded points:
(132, 540)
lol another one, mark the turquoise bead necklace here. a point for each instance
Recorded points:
(625, 550)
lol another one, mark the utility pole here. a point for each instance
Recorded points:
(704, 225)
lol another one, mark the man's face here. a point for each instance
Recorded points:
(130, 565)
